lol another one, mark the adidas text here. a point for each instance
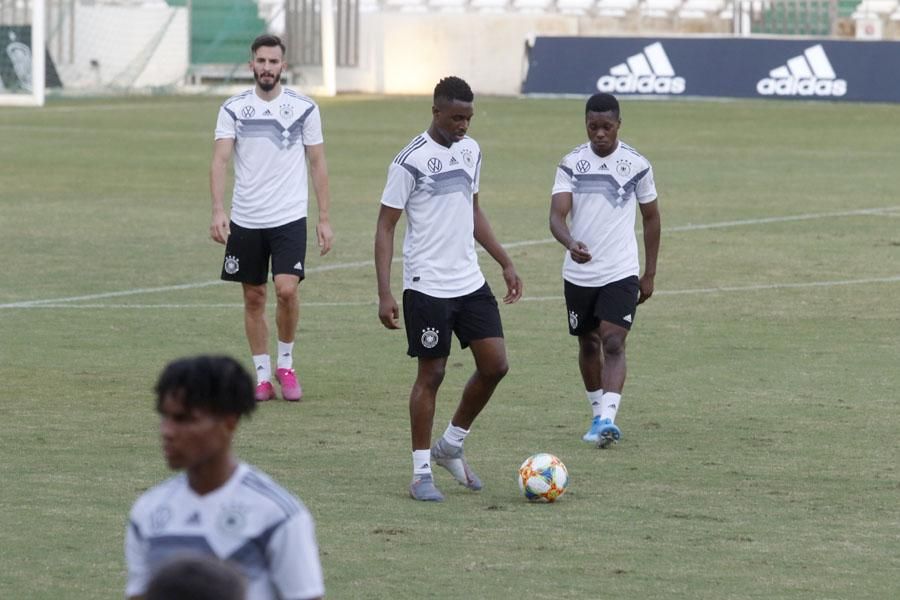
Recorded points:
(641, 84)
(791, 86)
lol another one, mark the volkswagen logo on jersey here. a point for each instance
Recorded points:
(232, 265)
(429, 337)
(582, 166)
(247, 112)
(286, 112)
(623, 168)
(434, 165)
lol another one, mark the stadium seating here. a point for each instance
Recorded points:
(701, 9)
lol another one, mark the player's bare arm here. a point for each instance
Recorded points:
(218, 170)
(318, 170)
(484, 235)
(652, 226)
(388, 311)
(560, 207)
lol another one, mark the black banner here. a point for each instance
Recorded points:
(15, 60)
(804, 69)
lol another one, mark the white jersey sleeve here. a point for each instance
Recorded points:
(135, 561)
(399, 186)
(646, 188)
(294, 559)
(312, 128)
(476, 181)
(225, 123)
(563, 182)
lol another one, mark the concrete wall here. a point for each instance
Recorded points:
(123, 47)
(408, 54)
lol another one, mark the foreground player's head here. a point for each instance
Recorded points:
(267, 61)
(196, 577)
(602, 121)
(452, 110)
(200, 401)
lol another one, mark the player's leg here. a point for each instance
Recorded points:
(422, 399)
(288, 247)
(476, 320)
(616, 308)
(428, 338)
(246, 261)
(583, 323)
(590, 363)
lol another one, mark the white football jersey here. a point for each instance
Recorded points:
(605, 192)
(251, 522)
(435, 186)
(270, 139)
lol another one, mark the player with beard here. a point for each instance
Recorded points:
(272, 132)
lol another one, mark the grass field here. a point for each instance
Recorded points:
(760, 456)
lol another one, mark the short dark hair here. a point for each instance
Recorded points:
(218, 384)
(602, 103)
(196, 577)
(453, 88)
(267, 39)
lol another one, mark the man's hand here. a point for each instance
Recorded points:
(389, 312)
(646, 283)
(219, 227)
(513, 285)
(579, 252)
(324, 237)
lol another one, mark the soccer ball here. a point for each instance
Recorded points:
(543, 478)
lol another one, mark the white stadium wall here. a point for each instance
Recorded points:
(127, 47)
(407, 54)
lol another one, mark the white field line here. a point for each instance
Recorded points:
(58, 302)
(690, 291)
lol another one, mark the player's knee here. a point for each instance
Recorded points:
(431, 378)
(590, 344)
(255, 298)
(495, 370)
(286, 293)
(613, 345)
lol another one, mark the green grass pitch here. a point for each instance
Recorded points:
(760, 416)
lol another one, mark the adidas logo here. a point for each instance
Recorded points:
(603, 167)
(299, 265)
(627, 318)
(268, 113)
(194, 519)
(809, 74)
(647, 72)
(453, 160)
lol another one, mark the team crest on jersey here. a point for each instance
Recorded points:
(232, 265)
(467, 157)
(429, 337)
(435, 165)
(231, 519)
(582, 166)
(286, 111)
(573, 319)
(160, 518)
(623, 167)
(247, 112)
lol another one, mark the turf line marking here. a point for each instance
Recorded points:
(709, 290)
(367, 263)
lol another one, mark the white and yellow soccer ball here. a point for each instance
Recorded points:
(543, 478)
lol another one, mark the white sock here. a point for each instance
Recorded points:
(421, 462)
(595, 400)
(611, 401)
(263, 366)
(455, 436)
(285, 355)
